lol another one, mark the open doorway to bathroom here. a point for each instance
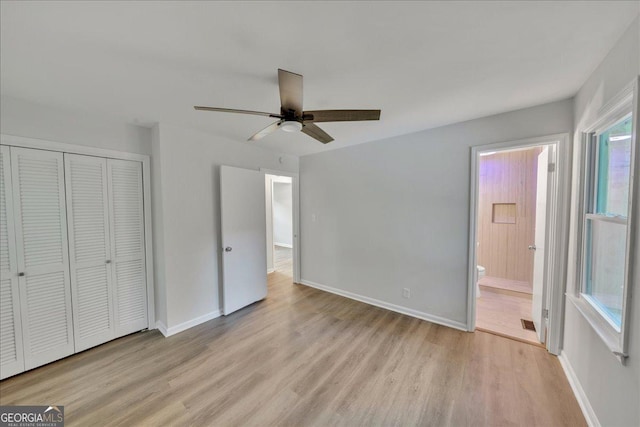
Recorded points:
(511, 231)
(535, 176)
(508, 188)
(280, 224)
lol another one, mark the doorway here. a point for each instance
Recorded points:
(244, 222)
(515, 234)
(281, 223)
(512, 192)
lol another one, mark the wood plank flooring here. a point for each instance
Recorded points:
(283, 260)
(305, 357)
(500, 312)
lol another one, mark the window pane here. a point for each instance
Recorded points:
(606, 245)
(614, 161)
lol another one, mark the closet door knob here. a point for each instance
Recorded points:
(108, 261)
(21, 274)
(228, 249)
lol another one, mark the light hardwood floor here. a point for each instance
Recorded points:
(283, 260)
(499, 311)
(305, 357)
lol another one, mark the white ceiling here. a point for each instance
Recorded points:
(425, 64)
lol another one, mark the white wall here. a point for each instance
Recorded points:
(282, 214)
(23, 118)
(394, 213)
(188, 242)
(613, 390)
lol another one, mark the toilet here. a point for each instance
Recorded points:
(481, 272)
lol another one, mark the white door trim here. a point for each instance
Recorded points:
(557, 231)
(42, 144)
(295, 187)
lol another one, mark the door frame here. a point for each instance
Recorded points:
(557, 231)
(295, 189)
(47, 145)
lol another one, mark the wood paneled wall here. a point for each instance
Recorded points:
(508, 177)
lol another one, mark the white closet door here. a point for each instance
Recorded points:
(89, 250)
(126, 215)
(43, 255)
(11, 356)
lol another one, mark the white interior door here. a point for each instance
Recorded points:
(42, 254)
(89, 250)
(11, 354)
(126, 217)
(242, 204)
(538, 246)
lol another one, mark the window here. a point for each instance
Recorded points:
(606, 219)
(605, 265)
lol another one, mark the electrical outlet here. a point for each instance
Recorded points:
(406, 293)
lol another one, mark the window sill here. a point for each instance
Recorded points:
(601, 326)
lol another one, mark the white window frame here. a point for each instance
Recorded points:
(617, 109)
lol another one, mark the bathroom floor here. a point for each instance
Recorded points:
(499, 311)
(507, 284)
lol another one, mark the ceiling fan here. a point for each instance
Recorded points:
(292, 118)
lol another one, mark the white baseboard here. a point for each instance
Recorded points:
(578, 391)
(284, 245)
(270, 270)
(382, 304)
(162, 328)
(167, 332)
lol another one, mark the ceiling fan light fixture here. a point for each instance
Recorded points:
(292, 115)
(291, 126)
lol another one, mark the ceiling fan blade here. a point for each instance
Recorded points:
(266, 131)
(341, 115)
(290, 92)
(231, 110)
(315, 132)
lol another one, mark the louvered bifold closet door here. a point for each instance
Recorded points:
(43, 255)
(11, 357)
(89, 250)
(126, 214)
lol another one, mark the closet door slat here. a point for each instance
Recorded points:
(11, 352)
(89, 250)
(127, 245)
(42, 255)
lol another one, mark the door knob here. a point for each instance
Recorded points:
(532, 247)
(228, 249)
(21, 274)
(108, 261)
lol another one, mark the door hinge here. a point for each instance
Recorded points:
(551, 167)
(545, 313)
